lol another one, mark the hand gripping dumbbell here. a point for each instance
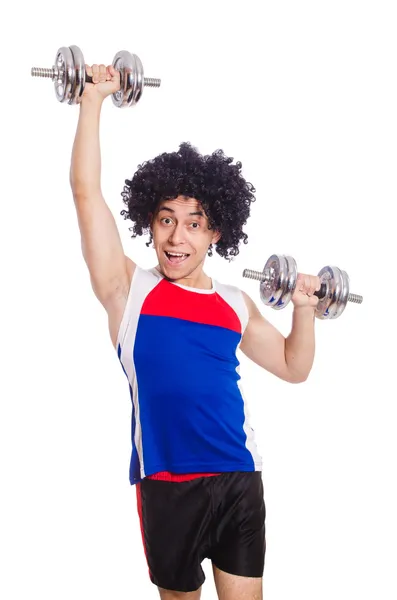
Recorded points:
(278, 282)
(69, 76)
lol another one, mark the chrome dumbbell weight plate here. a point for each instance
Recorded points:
(337, 285)
(64, 74)
(279, 281)
(131, 79)
(79, 75)
(69, 77)
(68, 74)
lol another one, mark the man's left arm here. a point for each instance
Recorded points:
(289, 358)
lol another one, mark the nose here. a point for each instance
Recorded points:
(177, 235)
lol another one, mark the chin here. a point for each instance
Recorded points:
(176, 271)
(172, 273)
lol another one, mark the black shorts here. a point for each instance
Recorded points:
(220, 517)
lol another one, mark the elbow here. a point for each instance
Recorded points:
(298, 373)
(79, 190)
(299, 380)
(298, 377)
(82, 186)
(83, 194)
(75, 187)
(74, 180)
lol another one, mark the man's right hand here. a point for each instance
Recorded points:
(105, 81)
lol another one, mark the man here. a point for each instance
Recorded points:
(176, 331)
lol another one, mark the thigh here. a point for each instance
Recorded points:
(234, 587)
(239, 540)
(175, 522)
(170, 595)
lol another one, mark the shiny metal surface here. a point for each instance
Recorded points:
(69, 76)
(131, 79)
(259, 275)
(152, 82)
(337, 290)
(338, 293)
(291, 275)
(278, 282)
(64, 80)
(40, 72)
(277, 291)
(355, 298)
(269, 287)
(332, 305)
(79, 76)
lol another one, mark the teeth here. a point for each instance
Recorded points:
(175, 254)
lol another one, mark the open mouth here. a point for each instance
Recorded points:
(176, 258)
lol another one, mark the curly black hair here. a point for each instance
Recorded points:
(212, 180)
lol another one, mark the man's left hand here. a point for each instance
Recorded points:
(303, 295)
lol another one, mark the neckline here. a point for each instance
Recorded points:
(188, 288)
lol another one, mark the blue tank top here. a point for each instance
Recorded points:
(177, 346)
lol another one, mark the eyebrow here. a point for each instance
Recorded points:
(198, 213)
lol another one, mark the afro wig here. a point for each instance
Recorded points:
(212, 180)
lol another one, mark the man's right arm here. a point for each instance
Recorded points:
(110, 270)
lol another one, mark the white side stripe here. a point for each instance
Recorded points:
(142, 283)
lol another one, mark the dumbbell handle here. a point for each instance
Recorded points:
(322, 292)
(53, 74)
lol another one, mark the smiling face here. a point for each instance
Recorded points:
(181, 239)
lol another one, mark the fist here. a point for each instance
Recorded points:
(306, 285)
(105, 81)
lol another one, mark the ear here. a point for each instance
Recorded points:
(216, 237)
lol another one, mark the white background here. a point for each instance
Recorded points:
(304, 94)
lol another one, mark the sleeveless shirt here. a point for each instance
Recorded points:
(178, 346)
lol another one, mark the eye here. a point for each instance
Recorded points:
(195, 225)
(166, 220)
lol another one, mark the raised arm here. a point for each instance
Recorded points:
(110, 270)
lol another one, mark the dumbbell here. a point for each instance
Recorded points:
(278, 282)
(69, 76)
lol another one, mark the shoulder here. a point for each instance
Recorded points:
(239, 300)
(252, 308)
(140, 281)
(230, 290)
(137, 273)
